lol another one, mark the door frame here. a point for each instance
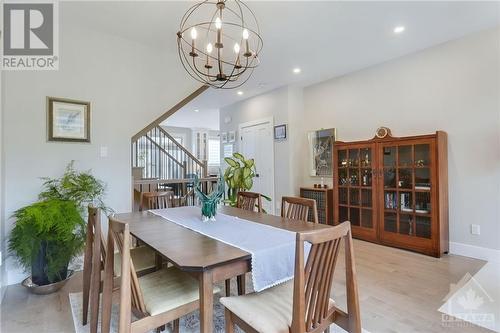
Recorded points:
(270, 122)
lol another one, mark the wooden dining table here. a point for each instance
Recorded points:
(207, 259)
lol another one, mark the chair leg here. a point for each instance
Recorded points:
(158, 261)
(228, 287)
(241, 279)
(87, 271)
(229, 321)
(327, 330)
(176, 326)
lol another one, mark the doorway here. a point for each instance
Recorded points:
(256, 141)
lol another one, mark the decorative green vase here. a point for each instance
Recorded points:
(209, 202)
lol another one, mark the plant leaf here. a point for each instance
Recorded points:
(231, 162)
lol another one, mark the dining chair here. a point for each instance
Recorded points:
(298, 209)
(156, 200)
(304, 304)
(155, 299)
(249, 201)
(94, 261)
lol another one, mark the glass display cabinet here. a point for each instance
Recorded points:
(394, 191)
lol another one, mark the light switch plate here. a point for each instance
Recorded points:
(475, 229)
(103, 152)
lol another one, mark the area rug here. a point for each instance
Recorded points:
(188, 324)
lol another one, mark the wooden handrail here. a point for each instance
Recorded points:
(169, 112)
(181, 147)
(164, 151)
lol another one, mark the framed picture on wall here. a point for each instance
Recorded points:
(321, 152)
(280, 132)
(223, 136)
(68, 120)
(231, 136)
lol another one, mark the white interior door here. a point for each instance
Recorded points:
(257, 143)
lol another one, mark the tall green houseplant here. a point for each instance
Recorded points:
(81, 187)
(239, 176)
(46, 236)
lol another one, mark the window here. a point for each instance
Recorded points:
(214, 152)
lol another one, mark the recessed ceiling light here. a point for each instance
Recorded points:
(297, 70)
(196, 110)
(240, 92)
(399, 29)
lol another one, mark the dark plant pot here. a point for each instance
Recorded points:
(39, 268)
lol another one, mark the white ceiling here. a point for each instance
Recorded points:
(188, 117)
(325, 39)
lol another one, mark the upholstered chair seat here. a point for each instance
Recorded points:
(168, 289)
(143, 258)
(269, 311)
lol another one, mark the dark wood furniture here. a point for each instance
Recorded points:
(156, 299)
(249, 201)
(394, 191)
(156, 200)
(203, 257)
(301, 209)
(324, 202)
(94, 261)
(308, 303)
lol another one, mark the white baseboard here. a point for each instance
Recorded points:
(476, 252)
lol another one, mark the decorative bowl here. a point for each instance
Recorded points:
(48, 288)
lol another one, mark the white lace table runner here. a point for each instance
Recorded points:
(272, 249)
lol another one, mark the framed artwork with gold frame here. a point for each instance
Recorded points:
(68, 120)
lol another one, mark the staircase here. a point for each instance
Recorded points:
(158, 156)
(161, 157)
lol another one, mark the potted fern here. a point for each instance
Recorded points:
(48, 234)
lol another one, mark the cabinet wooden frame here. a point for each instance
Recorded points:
(434, 244)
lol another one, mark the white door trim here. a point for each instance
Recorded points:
(270, 121)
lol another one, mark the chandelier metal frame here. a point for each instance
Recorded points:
(229, 71)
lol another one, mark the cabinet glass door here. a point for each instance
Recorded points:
(356, 189)
(406, 185)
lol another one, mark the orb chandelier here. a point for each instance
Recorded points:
(219, 43)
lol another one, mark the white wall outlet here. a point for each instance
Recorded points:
(103, 151)
(475, 229)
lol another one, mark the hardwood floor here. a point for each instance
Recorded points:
(400, 292)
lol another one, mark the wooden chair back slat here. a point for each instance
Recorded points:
(249, 201)
(298, 208)
(313, 279)
(156, 200)
(92, 265)
(132, 294)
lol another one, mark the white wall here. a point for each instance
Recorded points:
(276, 104)
(128, 85)
(452, 87)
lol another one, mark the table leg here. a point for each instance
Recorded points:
(241, 284)
(206, 301)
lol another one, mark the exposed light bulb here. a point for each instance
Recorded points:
(194, 33)
(236, 48)
(297, 70)
(240, 92)
(209, 48)
(399, 29)
(245, 34)
(218, 23)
